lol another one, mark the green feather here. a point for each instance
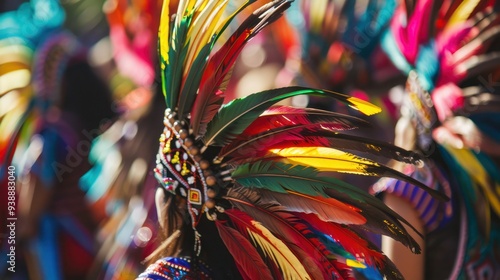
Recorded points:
(234, 117)
(190, 88)
(280, 177)
(177, 56)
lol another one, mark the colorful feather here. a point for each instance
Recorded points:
(317, 266)
(280, 221)
(279, 177)
(355, 245)
(331, 160)
(328, 209)
(234, 117)
(272, 247)
(245, 255)
(215, 78)
(279, 116)
(470, 163)
(313, 135)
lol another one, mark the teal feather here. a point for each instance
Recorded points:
(427, 65)
(390, 46)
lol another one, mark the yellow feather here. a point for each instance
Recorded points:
(223, 23)
(354, 263)
(279, 253)
(317, 13)
(364, 107)
(190, 7)
(474, 168)
(200, 4)
(462, 13)
(181, 11)
(200, 30)
(325, 159)
(214, 22)
(200, 13)
(10, 121)
(163, 33)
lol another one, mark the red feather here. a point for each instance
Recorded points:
(351, 242)
(313, 135)
(318, 265)
(256, 146)
(291, 265)
(279, 116)
(218, 69)
(246, 257)
(210, 97)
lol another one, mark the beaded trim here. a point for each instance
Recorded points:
(175, 269)
(182, 170)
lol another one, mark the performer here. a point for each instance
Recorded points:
(446, 48)
(59, 104)
(247, 189)
(120, 185)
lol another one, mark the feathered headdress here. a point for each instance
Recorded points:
(36, 50)
(340, 41)
(444, 48)
(256, 181)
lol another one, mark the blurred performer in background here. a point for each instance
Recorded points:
(121, 185)
(451, 115)
(59, 107)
